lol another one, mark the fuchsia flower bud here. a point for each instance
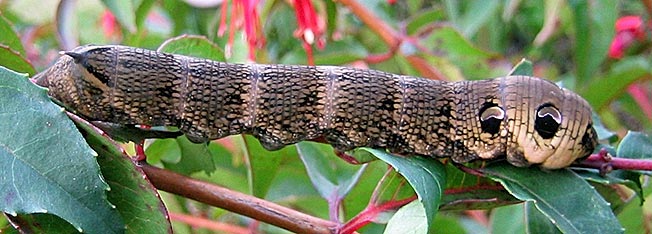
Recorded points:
(628, 30)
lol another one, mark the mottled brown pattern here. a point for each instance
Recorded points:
(526, 119)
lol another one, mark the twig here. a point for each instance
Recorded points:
(240, 203)
(606, 163)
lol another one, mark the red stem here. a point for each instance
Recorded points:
(640, 95)
(598, 161)
(370, 213)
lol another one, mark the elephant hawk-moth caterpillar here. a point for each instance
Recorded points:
(527, 120)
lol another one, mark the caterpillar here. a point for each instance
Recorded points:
(526, 120)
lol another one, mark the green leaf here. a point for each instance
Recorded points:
(195, 46)
(332, 177)
(450, 44)
(569, 201)
(47, 166)
(427, 177)
(410, 218)
(141, 13)
(166, 150)
(423, 19)
(508, 219)
(599, 92)
(478, 14)
(627, 178)
(604, 134)
(123, 10)
(135, 198)
(593, 24)
(523, 68)
(263, 165)
(331, 13)
(340, 52)
(469, 192)
(9, 37)
(475, 198)
(635, 145)
(335, 53)
(537, 222)
(41, 223)
(195, 157)
(12, 59)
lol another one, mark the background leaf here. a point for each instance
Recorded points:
(9, 37)
(593, 33)
(196, 46)
(11, 59)
(330, 175)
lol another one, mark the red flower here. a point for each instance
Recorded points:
(243, 11)
(628, 30)
(311, 27)
(110, 25)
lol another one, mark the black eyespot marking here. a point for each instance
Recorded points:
(547, 120)
(491, 115)
(589, 140)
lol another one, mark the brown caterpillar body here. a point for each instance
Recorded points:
(525, 119)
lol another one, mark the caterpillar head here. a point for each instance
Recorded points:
(536, 123)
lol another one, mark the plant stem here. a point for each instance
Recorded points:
(598, 161)
(371, 212)
(237, 202)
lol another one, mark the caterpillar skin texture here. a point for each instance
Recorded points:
(527, 120)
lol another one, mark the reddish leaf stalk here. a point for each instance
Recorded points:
(199, 222)
(371, 212)
(642, 98)
(378, 58)
(600, 162)
(334, 202)
(237, 202)
(387, 33)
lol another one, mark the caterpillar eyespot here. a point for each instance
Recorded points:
(530, 120)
